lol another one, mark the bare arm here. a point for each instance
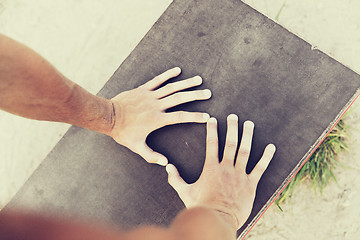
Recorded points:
(219, 202)
(32, 88)
(196, 223)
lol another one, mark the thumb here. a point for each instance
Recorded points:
(174, 179)
(150, 155)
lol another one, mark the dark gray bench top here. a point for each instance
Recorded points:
(254, 67)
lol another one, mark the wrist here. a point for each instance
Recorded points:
(112, 117)
(228, 218)
(89, 111)
(209, 224)
(107, 120)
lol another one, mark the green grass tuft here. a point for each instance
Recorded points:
(319, 169)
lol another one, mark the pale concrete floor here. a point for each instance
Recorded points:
(87, 41)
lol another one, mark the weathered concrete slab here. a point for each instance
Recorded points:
(254, 67)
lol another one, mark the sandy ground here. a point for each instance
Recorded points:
(87, 41)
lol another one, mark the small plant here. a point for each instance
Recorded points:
(280, 10)
(319, 169)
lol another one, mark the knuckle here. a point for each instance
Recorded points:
(212, 140)
(170, 87)
(261, 168)
(231, 144)
(180, 115)
(178, 97)
(244, 151)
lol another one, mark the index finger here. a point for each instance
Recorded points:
(212, 145)
(160, 79)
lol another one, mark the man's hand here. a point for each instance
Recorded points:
(30, 87)
(225, 187)
(140, 111)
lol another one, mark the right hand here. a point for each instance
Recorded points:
(140, 111)
(224, 187)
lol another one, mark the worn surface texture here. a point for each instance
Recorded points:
(254, 67)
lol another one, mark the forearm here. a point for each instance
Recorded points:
(33, 226)
(30, 87)
(195, 223)
(203, 223)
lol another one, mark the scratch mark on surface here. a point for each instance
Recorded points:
(216, 64)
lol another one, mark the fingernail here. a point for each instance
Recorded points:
(167, 168)
(207, 93)
(206, 116)
(212, 120)
(163, 162)
(272, 147)
(233, 117)
(249, 123)
(198, 80)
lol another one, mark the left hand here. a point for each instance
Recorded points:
(140, 111)
(224, 186)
